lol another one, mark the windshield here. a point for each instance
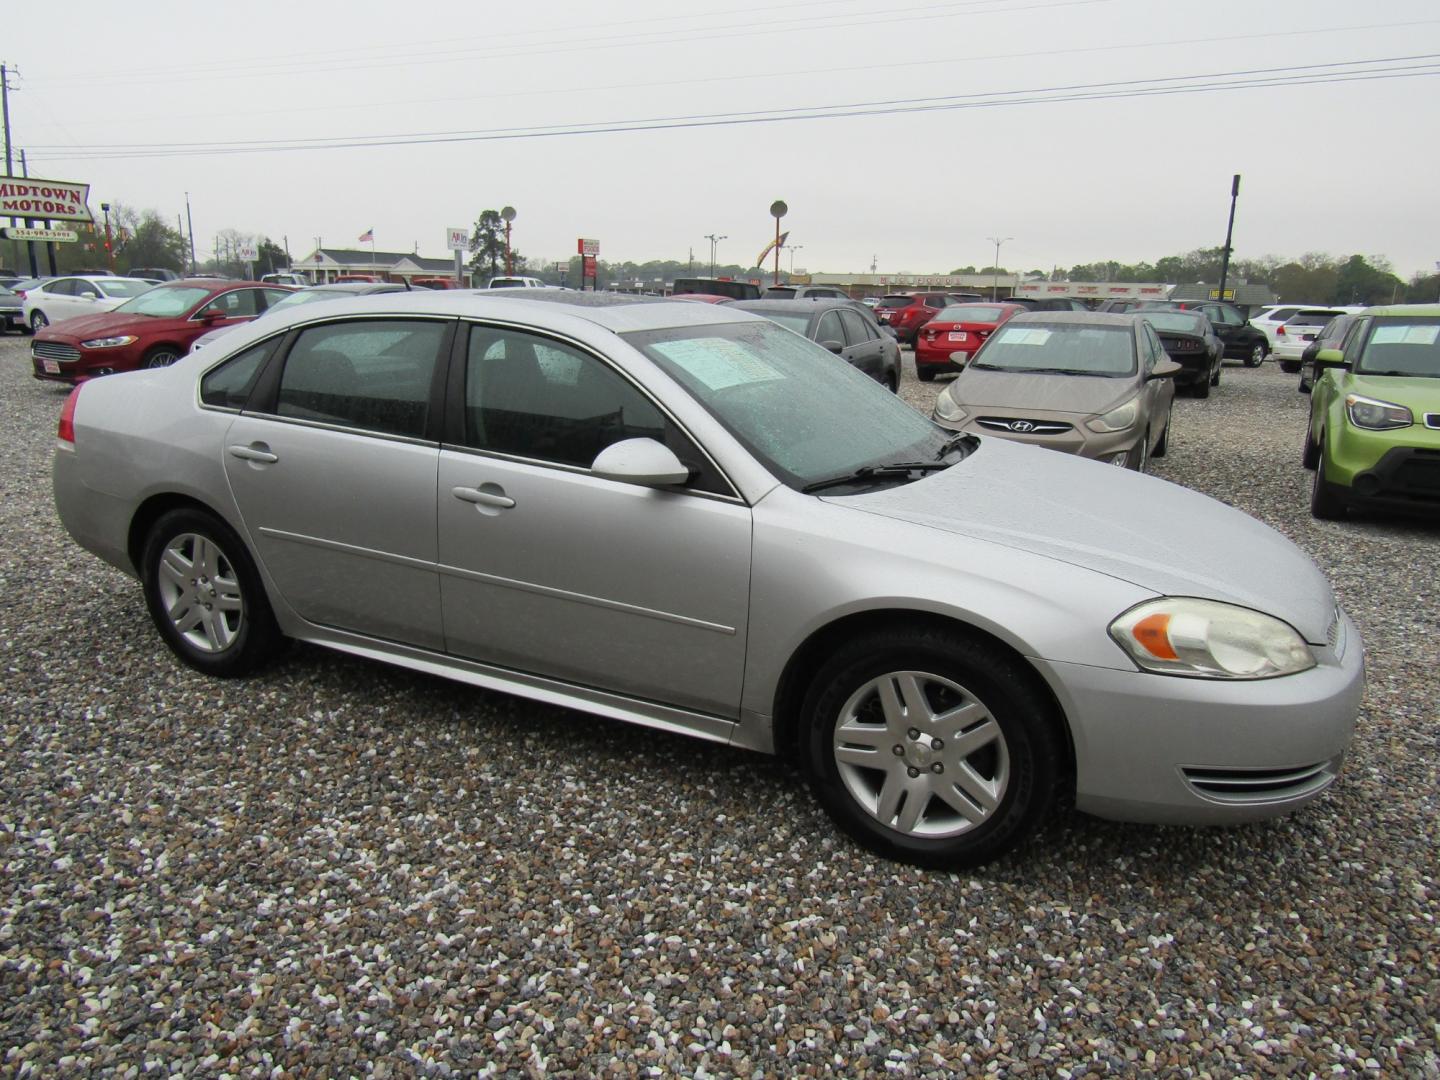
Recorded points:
(1311, 318)
(1177, 321)
(969, 313)
(798, 323)
(309, 296)
(895, 301)
(1406, 345)
(779, 292)
(1064, 347)
(164, 302)
(124, 288)
(803, 412)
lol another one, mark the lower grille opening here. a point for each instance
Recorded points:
(1261, 785)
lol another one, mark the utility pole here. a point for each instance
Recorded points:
(1229, 232)
(190, 228)
(995, 274)
(9, 159)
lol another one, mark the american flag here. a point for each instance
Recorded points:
(368, 236)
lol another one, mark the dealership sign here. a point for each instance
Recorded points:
(45, 236)
(48, 200)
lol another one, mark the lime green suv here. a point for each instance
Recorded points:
(1374, 434)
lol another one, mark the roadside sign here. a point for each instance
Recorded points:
(44, 200)
(457, 239)
(588, 247)
(53, 236)
(247, 253)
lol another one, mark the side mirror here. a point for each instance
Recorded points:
(837, 347)
(211, 315)
(1165, 369)
(640, 461)
(1331, 358)
(88, 295)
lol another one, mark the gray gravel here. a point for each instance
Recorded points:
(343, 869)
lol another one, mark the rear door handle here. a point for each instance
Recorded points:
(483, 498)
(254, 452)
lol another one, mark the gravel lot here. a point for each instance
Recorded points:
(340, 868)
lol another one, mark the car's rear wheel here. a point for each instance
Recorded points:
(1215, 375)
(161, 356)
(930, 747)
(205, 596)
(1201, 388)
(1325, 504)
(38, 321)
(1257, 355)
(892, 382)
(1290, 367)
(924, 373)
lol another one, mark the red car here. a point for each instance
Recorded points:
(948, 340)
(905, 313)
(153, 330)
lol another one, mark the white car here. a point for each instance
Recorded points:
(1296, 333)
(64, 298)
(1271, 317)
(506, 282)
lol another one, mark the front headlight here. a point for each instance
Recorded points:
(1118, 418)
(947, 409)
(107, 342)
(1179, 635)
(1375, 415)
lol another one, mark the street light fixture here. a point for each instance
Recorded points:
(714, 240)
(507, 214)
(995, 273)
(793, 248)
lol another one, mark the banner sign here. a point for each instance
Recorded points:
(44, 236)
(47, 200)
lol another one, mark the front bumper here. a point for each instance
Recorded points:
(1161, 749)
(79, 364)
(12, 319)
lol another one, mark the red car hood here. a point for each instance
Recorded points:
(108, 324)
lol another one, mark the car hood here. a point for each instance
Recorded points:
(108, 322)
(1420, 393)
(1083, 394)
(1140, 529)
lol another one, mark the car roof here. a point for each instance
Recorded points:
(1430, 311)
(781, 307)
(1075, 318)
(616, 312)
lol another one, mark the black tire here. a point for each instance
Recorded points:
(161, 356)
(1215, 375)
(38, 321)
(239, 638)
(892, 382)
(924, 374)
(1007, 755)
(1325, 503)
(1256, 356)
(1163, 445)
(1201, 388)
(1310, 456)
(1290, 367)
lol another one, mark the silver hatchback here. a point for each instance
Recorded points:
(686, 517)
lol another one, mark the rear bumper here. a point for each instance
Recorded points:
(1154, 748)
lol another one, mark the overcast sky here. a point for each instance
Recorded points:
(1124, 173)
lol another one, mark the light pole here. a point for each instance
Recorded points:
(109, 252)
(793, 248)
(995, 274)
(778, 210)
(507, 214)
(1229, 233)
(714, 240)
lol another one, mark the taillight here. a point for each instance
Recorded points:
(1279, 331)
(67, 418)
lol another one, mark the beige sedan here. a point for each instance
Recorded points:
(1094, 384)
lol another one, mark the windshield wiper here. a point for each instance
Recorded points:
(955, 442)
(872, 472)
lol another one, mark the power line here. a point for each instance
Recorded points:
(1295, 75)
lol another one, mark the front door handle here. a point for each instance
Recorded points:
(481, 497)
(254, 452)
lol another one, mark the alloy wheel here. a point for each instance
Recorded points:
(201, 593)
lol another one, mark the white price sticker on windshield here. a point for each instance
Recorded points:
(717, 363)
(1020, 335)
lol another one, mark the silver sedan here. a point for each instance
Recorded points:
(686, 517)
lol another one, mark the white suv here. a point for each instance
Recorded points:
(515, 283)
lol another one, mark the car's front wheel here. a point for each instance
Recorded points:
(38, 321)
(1257, 355)
(929, 746)
(205, 595)
(1325, 504)
(1310, 456)
(161, 356)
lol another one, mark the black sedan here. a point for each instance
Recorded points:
(837, 325)
(1190, 341)
(1241, 341)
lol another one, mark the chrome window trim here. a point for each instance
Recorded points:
(320, 425)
